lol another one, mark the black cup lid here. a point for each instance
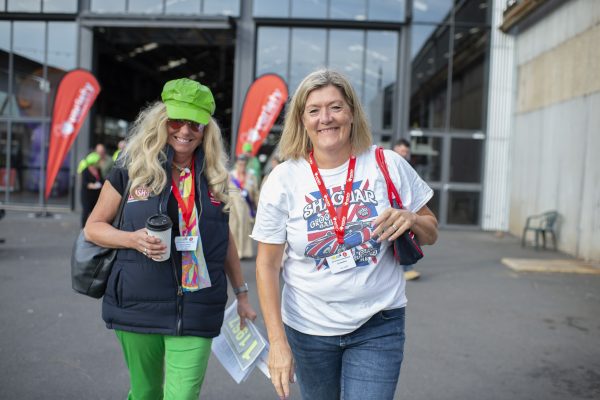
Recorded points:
(159, 222)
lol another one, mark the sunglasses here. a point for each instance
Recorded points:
(177, 124)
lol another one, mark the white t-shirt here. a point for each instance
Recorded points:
(291, 210)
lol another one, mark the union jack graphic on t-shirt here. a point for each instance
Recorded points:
(322, 241)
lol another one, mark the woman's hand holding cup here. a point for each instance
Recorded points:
(150, 246)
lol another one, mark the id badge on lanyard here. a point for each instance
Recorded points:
(186, 243)
(341, 262)
(344, 260)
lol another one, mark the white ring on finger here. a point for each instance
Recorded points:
(395, 227)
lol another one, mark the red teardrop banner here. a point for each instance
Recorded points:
(264, 101)
(75, 95)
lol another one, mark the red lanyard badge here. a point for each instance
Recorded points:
(186, 209)
(339, 225)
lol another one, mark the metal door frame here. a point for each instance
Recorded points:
(444, 185)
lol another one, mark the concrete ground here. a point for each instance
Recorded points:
(475, 328)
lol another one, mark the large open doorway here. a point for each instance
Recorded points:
(133, 63)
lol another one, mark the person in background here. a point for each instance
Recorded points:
(402, 147)
(244, 194)
(83, 163)
(91, 183)
(106, 162)
(340, 320)
(165, 313)
(252, 163)
(120, 147)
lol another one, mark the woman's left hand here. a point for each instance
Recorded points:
(245, 310)
(392, 223)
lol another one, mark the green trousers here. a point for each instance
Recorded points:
(178, 361)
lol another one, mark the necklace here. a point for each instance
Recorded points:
(181, 169)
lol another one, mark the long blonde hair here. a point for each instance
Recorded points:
(144, 154)
(294, 141)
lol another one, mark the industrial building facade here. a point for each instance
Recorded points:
(420, 68)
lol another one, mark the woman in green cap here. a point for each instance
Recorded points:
(165, 313)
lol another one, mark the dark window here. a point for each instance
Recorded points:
(468, 78)
(429, 77)
(463, 208)
(426, 157)
(465, 161)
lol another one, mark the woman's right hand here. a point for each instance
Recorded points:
(149, 246)
(281, 367)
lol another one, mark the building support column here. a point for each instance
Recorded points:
(500, 108)
(400, 116)
(243, 73)
(82, 143)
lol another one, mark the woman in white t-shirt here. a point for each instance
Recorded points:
(340, 322)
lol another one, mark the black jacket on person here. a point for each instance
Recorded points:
(145, 296)
(89, 197)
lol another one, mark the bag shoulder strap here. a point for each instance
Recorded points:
(391, 188)
(118, 221)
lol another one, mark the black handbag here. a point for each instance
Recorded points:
(406, 247)
(90, 263)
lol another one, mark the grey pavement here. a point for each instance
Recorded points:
(475, 329)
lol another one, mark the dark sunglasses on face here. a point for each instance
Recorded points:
(177, 124)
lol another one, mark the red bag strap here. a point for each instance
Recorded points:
(391, 189)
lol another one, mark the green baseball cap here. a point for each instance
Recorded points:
(188, 99)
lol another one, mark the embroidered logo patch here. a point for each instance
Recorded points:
(139, 194)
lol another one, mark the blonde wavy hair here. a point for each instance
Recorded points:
(295, 142)
(144, 154)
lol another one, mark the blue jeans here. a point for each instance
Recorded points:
(409, 267)
(364, 364)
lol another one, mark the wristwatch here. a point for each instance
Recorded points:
(241, 289)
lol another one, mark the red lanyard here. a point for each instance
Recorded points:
(339, 226)
(186, 209)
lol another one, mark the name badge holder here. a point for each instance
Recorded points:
(186, 243)
(341, 262)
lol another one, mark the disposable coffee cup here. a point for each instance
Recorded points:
(159, 225)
